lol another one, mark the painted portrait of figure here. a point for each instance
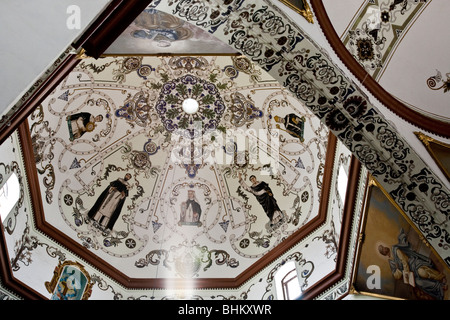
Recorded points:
(413, 268)
(191, 210)
(405, 266)
(265, 197)
(71, 285)
(80, 123)
(293, 124)
(109, 204)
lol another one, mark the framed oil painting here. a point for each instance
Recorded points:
(300, 6)
(70, 282)
(394, 261)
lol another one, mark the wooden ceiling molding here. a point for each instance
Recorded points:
(421, 121)
(343, 257)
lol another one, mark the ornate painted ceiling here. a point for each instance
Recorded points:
(384, 37)
(152, 201)
(246, 125)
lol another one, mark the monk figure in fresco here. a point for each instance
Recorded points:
(80, 123)
(264, 195)
(414, 268)
(109, 204)
(293, 124)
(190, 209)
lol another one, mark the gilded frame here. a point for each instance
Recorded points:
(382, 222)
(301, 7)
(70, 282)
(428, 142)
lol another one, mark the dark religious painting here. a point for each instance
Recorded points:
(394, 260)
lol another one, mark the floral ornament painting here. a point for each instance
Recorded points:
(70, 282)
(438, 78)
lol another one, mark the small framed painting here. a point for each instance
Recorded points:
(70, 282)
(394, 261)
(300, 6)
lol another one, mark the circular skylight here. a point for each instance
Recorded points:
(190, 106)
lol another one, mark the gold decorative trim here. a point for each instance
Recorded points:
(301, 7)
(355, 292)
(428, 142)
(82, 54)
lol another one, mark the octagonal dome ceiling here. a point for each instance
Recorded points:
(144, 194)
(178, 185)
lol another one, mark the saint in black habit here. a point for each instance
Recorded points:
(120, 185)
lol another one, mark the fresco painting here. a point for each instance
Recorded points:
(155, 31)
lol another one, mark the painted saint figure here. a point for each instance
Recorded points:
(414, 268)
(107, 208)
(190, 209)
(293, 124)
(265, 197)
(80, 123)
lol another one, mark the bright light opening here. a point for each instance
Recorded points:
(9, 195)
(286, 282)
(342, 183)
(190, 106)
